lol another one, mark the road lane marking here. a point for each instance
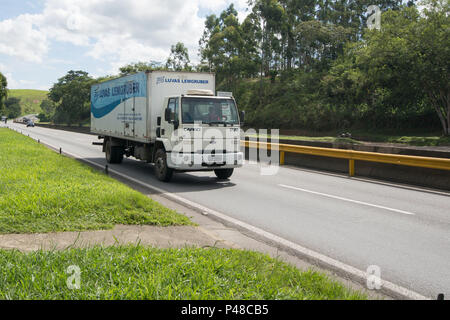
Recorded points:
(346, 199)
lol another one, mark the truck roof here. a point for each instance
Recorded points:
(197, 96)
(153, 71)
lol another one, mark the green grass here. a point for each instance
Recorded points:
(136, 272)
(30, 100)
(433, 139)
(306, 138)
(413, 139)
(42, 191)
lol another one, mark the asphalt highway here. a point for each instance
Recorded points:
(405, 232)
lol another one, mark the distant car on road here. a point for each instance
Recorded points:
(30, 123)
(4, 119)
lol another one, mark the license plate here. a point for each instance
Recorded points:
(214, 158)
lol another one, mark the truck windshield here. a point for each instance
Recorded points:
(209, 110)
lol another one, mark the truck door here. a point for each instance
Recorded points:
(129, 116)
(172, 123)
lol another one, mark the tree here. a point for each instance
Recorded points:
(3, 92)
(352, 13)
(273, 21)
(48, 108)
(430, 43)
(178, 59)
(318, 44)
(140, 66)
(72, 97)
(12, 106)
(229, 48)
(403, 69)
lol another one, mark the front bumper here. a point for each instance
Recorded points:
(197, 161)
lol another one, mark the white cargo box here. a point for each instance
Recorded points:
(128, 107)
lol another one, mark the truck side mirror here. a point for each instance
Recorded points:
(242, 117)
(167, 114)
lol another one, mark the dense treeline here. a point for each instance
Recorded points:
(3, 93)
(9, 106)
(312, 65)
(315, 65)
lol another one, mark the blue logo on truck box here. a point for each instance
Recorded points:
(105, 97)
(164, 79)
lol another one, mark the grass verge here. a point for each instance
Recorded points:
(431, 140)
(42, 191)
(136, 272)
(306, 138)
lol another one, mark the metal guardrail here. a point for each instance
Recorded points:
(352, 155)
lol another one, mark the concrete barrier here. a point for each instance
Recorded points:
(66, 128)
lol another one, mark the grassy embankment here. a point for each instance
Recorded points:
(135, 272)
(41, 191)
(413, 139)
(30, 100)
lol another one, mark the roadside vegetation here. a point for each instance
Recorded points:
(413, 139)
(42, 191)
(317, 66)
(136, 272)
(310, 65)
(360, 137)
(29, 100)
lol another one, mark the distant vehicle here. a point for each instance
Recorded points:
(30, 123)
(157, 116)
(4, 119)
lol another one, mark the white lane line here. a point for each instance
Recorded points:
(345, 199)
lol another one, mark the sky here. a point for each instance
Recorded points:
(40, 40)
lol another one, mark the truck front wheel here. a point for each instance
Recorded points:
(162, 171)
(223, 174)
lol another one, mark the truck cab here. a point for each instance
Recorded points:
(200, 132)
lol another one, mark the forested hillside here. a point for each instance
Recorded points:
(316, 65)
(30, 100)
(312, 66)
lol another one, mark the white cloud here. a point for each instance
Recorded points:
(12, 83)
(113, 31)
(20, 37)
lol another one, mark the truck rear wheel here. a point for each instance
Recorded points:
(223, 174)
(113, 154)
(162, 171)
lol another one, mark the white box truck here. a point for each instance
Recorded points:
(171, 119)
